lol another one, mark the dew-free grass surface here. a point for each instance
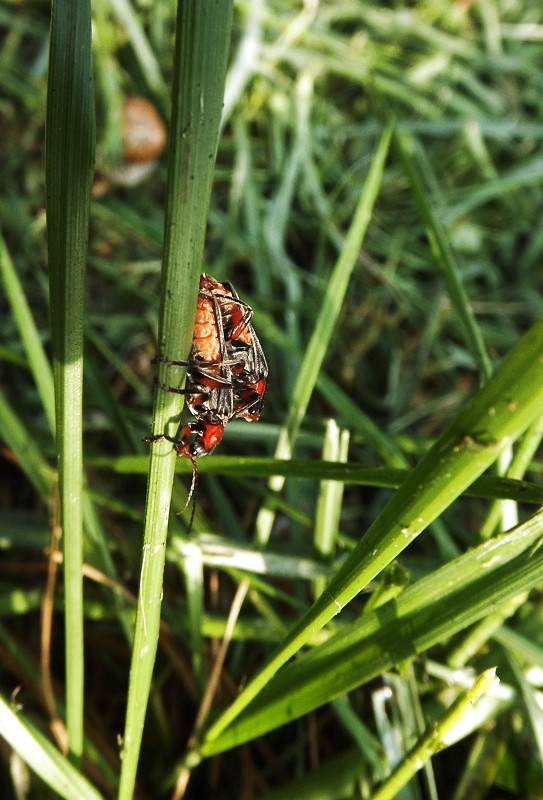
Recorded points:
(376, 198)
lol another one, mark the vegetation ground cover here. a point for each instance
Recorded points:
(376, 199)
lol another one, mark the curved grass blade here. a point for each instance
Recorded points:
(27, 454)
(43, 758)
(39, 365)
(434, 608)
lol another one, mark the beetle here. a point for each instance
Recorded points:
(245, 355)
(227, 372)
(196, 439)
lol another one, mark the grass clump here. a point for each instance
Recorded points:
(375, 199)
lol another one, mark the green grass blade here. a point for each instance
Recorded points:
(442, 251)
(69, 167)
(326, 320)
(42, 757)
(520, 462)
(328, 511)
(17, 437)
(201, 50)
(141, 47)
(495, 417)
(435, 738)
(517, 179)
(39, 365)
(487, 487)
(359, 421)
(477, 637)
(427, 612)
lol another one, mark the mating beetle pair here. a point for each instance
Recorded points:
(227, 373)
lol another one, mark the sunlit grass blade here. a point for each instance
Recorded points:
(69, 167)
(192, 565)
(435, 739)
(42, 757)
(479, 634)
(328, 513)
(201, 50)
(495, 417)
(431, 610)
(520, 462)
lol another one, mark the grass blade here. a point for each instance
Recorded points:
(328, 510)
(325, 323)
(39, 365)
(423, 615)
(69, 166)
(442, 251)
(488, 487)
(201, 49)
(43, 757)
(15, 434)
(435, 738)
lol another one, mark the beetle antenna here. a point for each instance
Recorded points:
(192, 493)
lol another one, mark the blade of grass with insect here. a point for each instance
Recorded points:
(201, 50)
(69, 167)
(494, 418)
(324, 326)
